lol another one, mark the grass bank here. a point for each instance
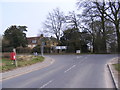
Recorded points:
(117, 67)
(7, 64)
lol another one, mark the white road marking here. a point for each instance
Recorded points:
(46, 84)
(83, 59)
(108, 80)
(115, 81)
(52, 61)
(69, 68)
(75, 65)
(106, 76)
(78, 57)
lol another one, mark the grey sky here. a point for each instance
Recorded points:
(31, 13)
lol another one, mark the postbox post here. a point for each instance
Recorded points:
(15, 61)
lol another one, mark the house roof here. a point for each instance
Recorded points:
(30, 39)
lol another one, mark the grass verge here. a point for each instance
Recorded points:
(7, 64)
(117, 67)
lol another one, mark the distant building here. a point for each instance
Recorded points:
(48, 41)
(32, 41)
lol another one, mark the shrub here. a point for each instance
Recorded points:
(23, 50)
(7, 49)
(71, 49)
(24, 57)
(6, 55)
(37, 49)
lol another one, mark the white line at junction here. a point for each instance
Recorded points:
(69, 68)
(46, 84)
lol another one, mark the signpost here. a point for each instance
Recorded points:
(60, 48)
(42, 48)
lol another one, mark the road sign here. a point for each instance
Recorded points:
(63, 47)
(60, 47)
(43, 43)
(78, 51)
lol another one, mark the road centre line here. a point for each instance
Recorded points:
(74, 65)
(46, 84)
(83, 60)
(79, 57)
(69, 68)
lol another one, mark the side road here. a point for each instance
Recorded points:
(23, 70)
(114, 73)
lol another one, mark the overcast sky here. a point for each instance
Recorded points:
(30, 13)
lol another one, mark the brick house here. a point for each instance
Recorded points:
(48, 41)
(32, 41)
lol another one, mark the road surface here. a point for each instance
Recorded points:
(68, 71)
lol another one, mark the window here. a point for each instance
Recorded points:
(34, 41)
(53, 43)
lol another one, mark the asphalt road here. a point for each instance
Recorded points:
(68, 71)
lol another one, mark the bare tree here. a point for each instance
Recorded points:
(54, 23)
(73, 20)
(102, 8)
(88, 17)
(98, 10)
(114, 16)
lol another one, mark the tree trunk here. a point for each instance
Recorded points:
(104, 35)
(118, 36)
(93, 43)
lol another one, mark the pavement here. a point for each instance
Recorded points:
(27, 69)
(114, 73)
(68, 71)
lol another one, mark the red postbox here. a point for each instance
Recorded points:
(12, 55)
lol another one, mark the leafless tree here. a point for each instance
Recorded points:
(73, 20)
(113, 15)
(54, 23)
